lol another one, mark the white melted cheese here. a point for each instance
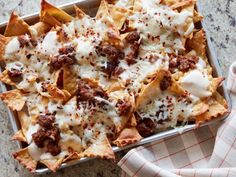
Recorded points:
(31, 130)
(12, 47)
(50, 45)
(85, 49)
(196, 83)
(158, 23)
(137, 72)
(165, 110)
(201, 64)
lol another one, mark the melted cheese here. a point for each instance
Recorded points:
(165, 110)
(31, 130)
(12, 47)
(50, 45)
(196, 83)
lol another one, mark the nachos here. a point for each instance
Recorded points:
(82, 84)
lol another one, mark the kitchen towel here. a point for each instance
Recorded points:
(209, 151)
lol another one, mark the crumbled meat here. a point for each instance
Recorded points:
(39, 137)
(111, 67)
(88, 90)
(66, 57)
(186, 63)
(132, 37)
(165, 82)
(46, 120)
(183, 63)
(123, 106)
(145, 127)
(28, 42)
(110, 51)
(49, 138)
(53, 148)
(14, 73)
(53, 134)
(118, 71)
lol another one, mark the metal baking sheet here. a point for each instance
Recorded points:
(90, 7)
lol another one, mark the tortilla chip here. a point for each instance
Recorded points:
(217, 108)
(70, 81)
(4, 77)
(25, 122)
(19, 136)
(127, 136)
(13, 99)
(100, 148)
(16, 26)
(24, 158)
(153, 88)
(39, 28)
(3, 42)
(197, 17)
(79, 13)
(198, 43)
(53, 164)
(57, 93)
(175, 4)
(50, 14)
(118, 14)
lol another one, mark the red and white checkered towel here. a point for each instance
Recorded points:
(209, 151)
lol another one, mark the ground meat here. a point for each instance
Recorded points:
(53, 134)
(46, 120)
(66, 57)
(111, 67)
(145, 127)
(186, 63)
(132, 37)
(123, 106)
(53, 148)
(14, 73)
(109, 51)
(165, 82)
(183, 63)
(39, 137)
(28, 42)
(48, 137)
(88, 90)
(67, 50)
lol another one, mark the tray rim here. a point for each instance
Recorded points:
(160, 135)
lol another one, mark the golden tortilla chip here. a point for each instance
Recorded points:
(4, 77)
(53, 164)
(57, 14)
(39, 28)
(175, 4)
(50, 20)
(153, 88)
(16, 26)
(197, 17)
(118, 14)
(70, 82)
(79, 13)
(19, 136)
(24, 158)
(217, 108)
(198, 43)
(57, 93)
(100, 148)
(127, 136)
(13, 99)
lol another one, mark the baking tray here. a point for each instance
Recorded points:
(90, 7)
